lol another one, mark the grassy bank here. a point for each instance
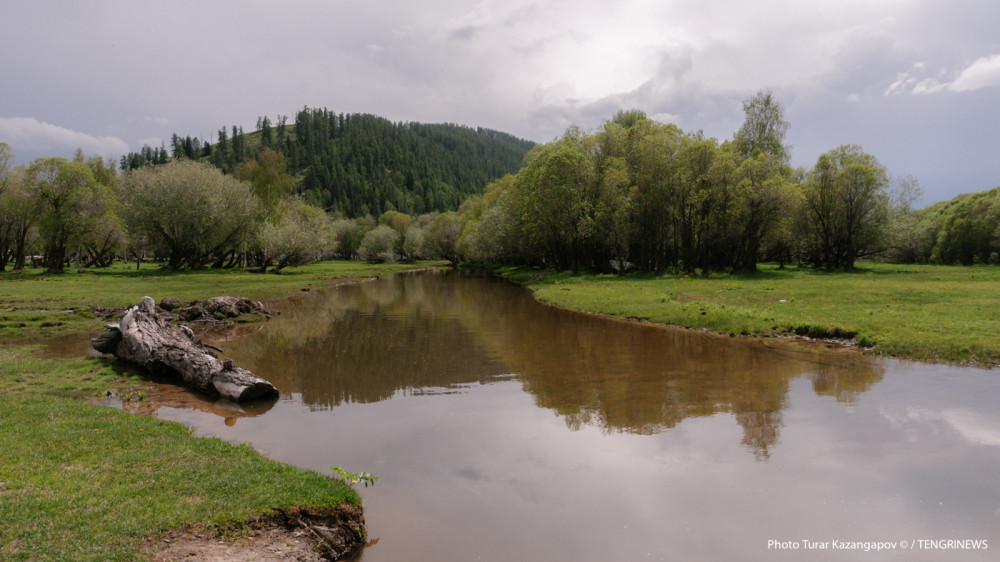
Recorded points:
(85, 482)
(34, 303)
(924, 312)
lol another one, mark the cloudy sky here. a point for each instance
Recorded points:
(914, 82)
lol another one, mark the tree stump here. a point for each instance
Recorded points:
(149, 340)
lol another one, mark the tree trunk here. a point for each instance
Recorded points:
(148, 340)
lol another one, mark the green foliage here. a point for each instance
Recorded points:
(301, 235)
(763, 131)
(360, 164)
(414, 243)
(379, 244)
(400, 222)
(636, 192)
(352, 478)
(18, 214)
(6, 159)
(268, 179)
(441, 235)
(190, 212)
(349, 233)
(67, 198)
(964, 230)
(847, 207)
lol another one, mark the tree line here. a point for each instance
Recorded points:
(633, 194)
(637, 194)
(358, 164)
(189, 214)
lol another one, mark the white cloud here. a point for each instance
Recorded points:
(976, 428)
(980, 74)
(28, 133)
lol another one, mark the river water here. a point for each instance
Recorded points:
(502, 429)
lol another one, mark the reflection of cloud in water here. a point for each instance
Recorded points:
(436, 333)
(975, 428)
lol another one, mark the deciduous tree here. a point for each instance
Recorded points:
(847, 204)
(300, 236)
(190, 211)
(65, 194)
(268, 179)
(763, 130)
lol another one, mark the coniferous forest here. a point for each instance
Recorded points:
(361, 164)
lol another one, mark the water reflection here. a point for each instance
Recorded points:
(167, 395)
(501, 429)
(364, 343)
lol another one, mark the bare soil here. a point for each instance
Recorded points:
(300, 535)
(264, 545)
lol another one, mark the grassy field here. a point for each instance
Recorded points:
(86, 482)
(924, 312)
(34, 303)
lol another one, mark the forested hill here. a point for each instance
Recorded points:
(358, 164)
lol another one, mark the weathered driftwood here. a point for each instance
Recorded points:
(149, 340)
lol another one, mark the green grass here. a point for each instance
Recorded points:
(86, 482)
(924, 312)
(34, 303)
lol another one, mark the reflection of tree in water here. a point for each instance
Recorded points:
(845, 385)
(628, 377)
(365, 343)
(760, 431)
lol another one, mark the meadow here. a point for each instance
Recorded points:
(924, 312)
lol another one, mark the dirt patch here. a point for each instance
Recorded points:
(223, 309)
(105, 313)
(216, 310)
(301, 535)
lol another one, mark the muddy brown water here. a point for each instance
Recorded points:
(503, 429)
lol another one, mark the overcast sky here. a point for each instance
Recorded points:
(914, 82)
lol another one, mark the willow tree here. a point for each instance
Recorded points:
(550, 203)
(653, 157)
(847, 205)
(67, 197)
(762, 195)
(6, 159)
(190, 212)
(301, 236)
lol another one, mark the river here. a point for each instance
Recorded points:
(502, 429)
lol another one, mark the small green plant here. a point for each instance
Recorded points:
(352, 478)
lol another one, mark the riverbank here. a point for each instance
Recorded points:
(35, 304)
(924, 312)
(87, 482)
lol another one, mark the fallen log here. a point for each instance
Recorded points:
(147, 339)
